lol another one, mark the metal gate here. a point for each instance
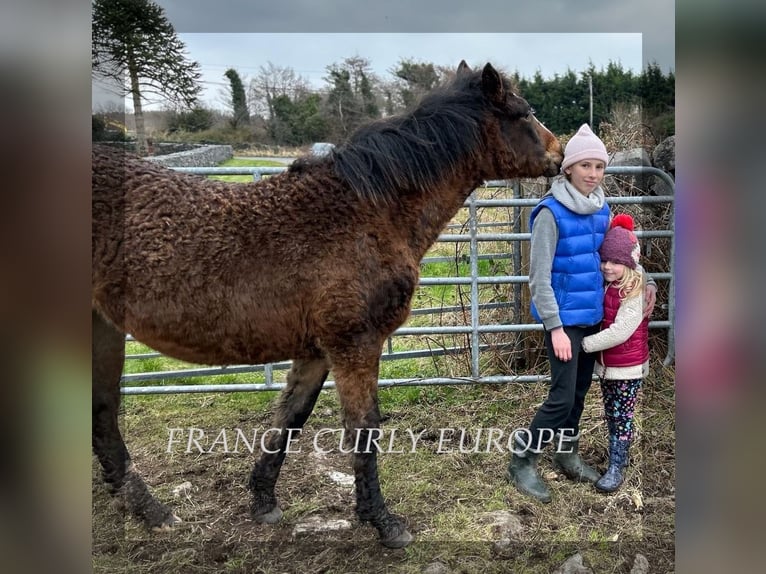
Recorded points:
(473, 233)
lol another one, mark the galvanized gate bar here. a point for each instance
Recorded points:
(330, 384)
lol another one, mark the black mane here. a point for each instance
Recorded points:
(415, 150)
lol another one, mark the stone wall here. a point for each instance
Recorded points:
(662, 157)
(203, 156)
(166, 148)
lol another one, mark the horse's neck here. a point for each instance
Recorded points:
(433, 210)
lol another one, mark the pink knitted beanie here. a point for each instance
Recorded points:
(584, 145)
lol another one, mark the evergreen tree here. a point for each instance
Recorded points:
(297, 121)
(280, 125)
(352, 97)
(342, 106)
(568, 97)
(196, 119)
(369, 104)
(135, 47)
(241, 115)
(658, 98)
(418, 77)
(623, 85)
(309, 125)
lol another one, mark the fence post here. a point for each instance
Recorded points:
(474, 252)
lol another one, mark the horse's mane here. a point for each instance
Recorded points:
(414, 151)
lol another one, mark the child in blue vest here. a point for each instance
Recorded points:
(568, 226)
(622, 345)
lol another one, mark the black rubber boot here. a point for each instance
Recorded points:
(522, 472)
(570, 462)
(618, 460)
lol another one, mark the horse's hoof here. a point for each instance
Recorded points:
(271, 517)
(398, 541)
(167, 524)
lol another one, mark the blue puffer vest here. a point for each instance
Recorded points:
(576, 275)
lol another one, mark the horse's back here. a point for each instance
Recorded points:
(187, 264)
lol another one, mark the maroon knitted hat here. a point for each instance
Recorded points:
(620, 243)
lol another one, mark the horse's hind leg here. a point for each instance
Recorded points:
(357, 386)
(304, 383)
(118, 472)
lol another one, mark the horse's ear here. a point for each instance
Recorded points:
(462, 67)
(492, 83)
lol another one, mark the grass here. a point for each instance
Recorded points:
(448, 497)
(240, 162)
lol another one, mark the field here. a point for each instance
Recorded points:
(450, 499)
(457, 502)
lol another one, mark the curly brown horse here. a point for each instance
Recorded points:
(317, 265)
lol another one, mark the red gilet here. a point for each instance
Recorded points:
(634, 351)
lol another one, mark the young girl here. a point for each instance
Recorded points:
(622, 343)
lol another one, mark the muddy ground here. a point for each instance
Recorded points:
(464, 515)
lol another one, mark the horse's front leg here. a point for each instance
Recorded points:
(304, 382)
(357, 384)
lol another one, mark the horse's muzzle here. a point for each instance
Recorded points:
(554, 165)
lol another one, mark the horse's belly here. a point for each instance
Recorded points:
(225, 352)
(221, 350)
(218, 339)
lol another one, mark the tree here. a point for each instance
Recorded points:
(658, 97)
(135, 47)
(196, 119)
(418, 78)
(241, 115)
(370, 105)
(297, 121)
(353, 95)
(341, 104)
(273, 81)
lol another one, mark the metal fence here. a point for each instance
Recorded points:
(481, 322)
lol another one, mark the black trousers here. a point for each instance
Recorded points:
(570, 382)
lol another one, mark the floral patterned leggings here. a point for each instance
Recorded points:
(620, 405)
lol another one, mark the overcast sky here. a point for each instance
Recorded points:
(549, 36)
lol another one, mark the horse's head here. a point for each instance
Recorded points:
(517, 143)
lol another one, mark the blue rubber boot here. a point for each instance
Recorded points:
(618, 460)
